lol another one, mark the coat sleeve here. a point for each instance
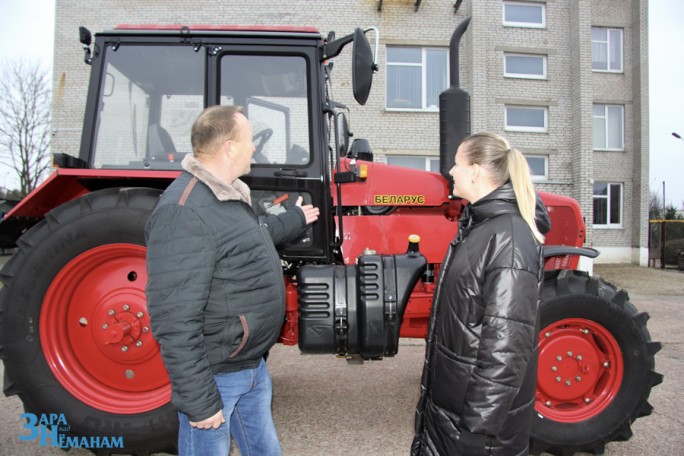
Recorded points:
(180, 267)
(286, 226)
(506, 345)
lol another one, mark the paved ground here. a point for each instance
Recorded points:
(322, 406)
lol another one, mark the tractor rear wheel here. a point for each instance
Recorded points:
(596, 366)
(74, 330)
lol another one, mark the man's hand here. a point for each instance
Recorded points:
(310, 212)
(213, 422)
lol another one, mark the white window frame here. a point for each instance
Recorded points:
(543, 129)
(428, 159)
(606, 124)
(524, 24)
(608, 44)
(608, 207)
(538, 177)
(524, 75)
(423, 75)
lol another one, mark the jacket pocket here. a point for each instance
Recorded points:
(244, 339)
(229, 341)
(450, 378)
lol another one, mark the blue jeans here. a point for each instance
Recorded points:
(246, 399)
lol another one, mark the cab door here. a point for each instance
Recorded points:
(278, 88)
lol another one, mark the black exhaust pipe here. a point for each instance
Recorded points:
(454, 109)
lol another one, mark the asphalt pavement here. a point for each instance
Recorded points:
(324, 406)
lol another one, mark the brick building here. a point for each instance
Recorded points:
(566, 81)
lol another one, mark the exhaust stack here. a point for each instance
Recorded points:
(454, 109)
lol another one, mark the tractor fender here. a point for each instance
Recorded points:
(65, 185)
(558, 257)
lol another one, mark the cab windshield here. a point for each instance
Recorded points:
(151, 94)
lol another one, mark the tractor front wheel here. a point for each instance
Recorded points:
(74, 329)
(596, 366)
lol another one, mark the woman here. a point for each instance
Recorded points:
(477, 390)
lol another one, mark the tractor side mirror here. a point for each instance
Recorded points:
(342, 134)
(84, 35)
(363, 65)
(86, 39)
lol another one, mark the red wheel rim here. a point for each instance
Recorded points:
(580, 370)
(95, 332)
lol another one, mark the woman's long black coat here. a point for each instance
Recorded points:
(478, 384)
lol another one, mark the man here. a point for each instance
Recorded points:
(215, 290)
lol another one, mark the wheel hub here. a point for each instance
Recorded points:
(580, 370)
(569, 364)
(121, 331)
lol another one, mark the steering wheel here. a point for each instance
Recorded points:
(259, 140)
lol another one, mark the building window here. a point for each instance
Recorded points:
(608, 127)
(539, 167)
(415, 77)
(607, 204)
(521, 14)
(415, 162)
(606, 49)
(526, 118)
(525, 66)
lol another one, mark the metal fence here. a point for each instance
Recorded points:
(666, 243)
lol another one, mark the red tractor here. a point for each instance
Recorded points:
(74, 328)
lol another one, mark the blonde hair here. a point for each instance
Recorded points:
(214, 126)
(503, 162)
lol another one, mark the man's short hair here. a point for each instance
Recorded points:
(214, 126)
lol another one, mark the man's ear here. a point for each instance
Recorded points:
(229, 148)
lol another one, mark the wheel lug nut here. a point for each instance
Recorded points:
(606, 364)
(578, 378)
(126, 307)
(111, 312)
(145, 329)
(579, 357)
(558, 379)
(105, 326)
(569, 353)
(559, 358)
(587, 400)
(124, 348)
(568, 383)
(554, 368)
(547, 334)
(138, 343)
(140, 315)
(548, 403)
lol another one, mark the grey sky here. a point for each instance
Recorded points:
(27, 28)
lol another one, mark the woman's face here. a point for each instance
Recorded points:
(462, 172)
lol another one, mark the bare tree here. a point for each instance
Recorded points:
(25, 121)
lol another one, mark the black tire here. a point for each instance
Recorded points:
(112, 216)
(575, 295)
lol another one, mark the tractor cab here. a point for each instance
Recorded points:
(148, 85)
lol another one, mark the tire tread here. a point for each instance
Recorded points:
(563, 285)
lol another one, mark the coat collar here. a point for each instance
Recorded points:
(500, 201)
(223, 191)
